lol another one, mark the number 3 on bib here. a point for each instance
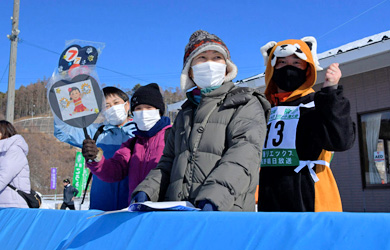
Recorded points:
(279, 146)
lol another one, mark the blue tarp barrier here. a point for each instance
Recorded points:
(59, 229)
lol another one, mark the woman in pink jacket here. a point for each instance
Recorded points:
(14, 168)
(137, 156)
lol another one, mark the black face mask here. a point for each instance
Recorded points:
(289, 78)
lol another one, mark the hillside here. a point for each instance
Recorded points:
(45, 152)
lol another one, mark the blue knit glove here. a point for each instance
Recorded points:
(206, 205)
(139, 197)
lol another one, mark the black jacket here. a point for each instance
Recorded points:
(69, 193)
(327, 126)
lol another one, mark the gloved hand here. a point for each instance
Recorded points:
(206, 205)
(139, 197)
(90, 150)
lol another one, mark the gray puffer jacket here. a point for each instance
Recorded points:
(213, 151)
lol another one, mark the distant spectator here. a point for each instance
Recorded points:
(14, 168)
(69, 193)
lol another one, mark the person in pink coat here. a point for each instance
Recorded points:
(14, 168)
(137, 156)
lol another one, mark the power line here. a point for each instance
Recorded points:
(120, 73)
(350, 20)
(5, 70)
(37, 46)
(54, 52)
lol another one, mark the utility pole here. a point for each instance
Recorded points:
(12, 63)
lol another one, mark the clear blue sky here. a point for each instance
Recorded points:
(146, 39)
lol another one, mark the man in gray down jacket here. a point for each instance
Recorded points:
(213, 152)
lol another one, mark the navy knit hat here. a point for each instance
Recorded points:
(149, 94)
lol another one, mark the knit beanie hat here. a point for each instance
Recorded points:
(201, 41)
(149, 94)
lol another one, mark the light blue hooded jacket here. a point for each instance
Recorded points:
(104, 196)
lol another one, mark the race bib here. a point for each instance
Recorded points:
(279, 146)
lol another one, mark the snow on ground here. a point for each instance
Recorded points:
(54, 202)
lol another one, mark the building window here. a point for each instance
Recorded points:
(375, 148)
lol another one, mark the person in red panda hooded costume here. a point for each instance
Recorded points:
(303, 130)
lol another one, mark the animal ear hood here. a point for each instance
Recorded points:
(266, 50)
(285, 49)
(305, 49)
(312, 44)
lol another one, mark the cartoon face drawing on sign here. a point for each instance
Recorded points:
(77, 102)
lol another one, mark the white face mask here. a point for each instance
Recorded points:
(209, 74)
(116, 115)
(146, 119)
